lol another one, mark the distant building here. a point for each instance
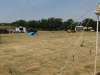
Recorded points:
(88, 29)
(81, 28)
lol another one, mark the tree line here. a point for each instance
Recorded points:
(51, 24)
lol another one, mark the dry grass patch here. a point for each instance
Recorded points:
(46, 53)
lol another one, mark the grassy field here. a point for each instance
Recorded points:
(7, 27)
(47, 52)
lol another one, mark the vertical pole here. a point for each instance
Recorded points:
(96, 45)
(0, 34)
(73, 57)
(0, 37)
(90, 52)
(71, 26)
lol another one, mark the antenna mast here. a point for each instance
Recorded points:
(97, 12)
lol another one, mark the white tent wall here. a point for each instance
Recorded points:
(20, 29)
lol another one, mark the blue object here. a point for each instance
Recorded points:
(31, 33)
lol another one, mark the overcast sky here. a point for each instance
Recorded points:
(13, 10)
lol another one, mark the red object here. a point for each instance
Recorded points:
(4, 31)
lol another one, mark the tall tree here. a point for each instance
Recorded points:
(89, 23)
(22, 23)
(44, 24)
(55, 23)
(69, 24)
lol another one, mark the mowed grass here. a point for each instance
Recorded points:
(47, 52)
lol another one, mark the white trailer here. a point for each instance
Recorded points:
(79, 28)
(20, 29)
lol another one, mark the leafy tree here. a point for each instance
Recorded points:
(69, 24)
(89, 23)
(22, 23)
(14, 23)
(55, 23)
(32, 24)
(44, 24)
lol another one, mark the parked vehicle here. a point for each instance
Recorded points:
(31, 30)
(4, 31)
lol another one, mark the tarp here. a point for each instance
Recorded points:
(31, 33)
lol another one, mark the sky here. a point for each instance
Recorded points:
(13, 10)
